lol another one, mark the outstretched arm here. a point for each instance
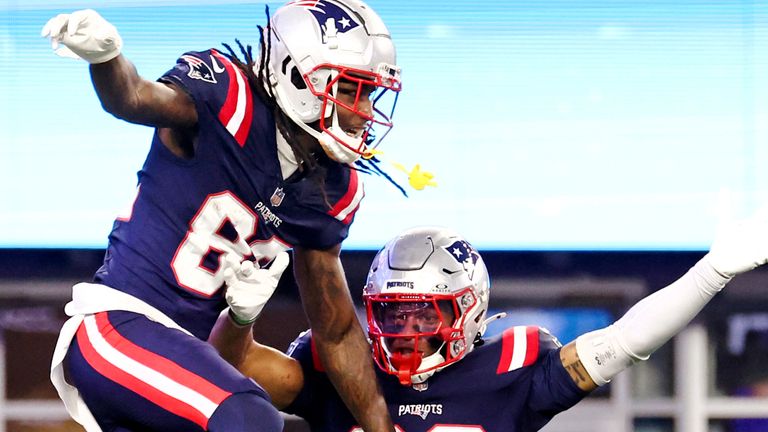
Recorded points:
(128, 96)
(596, 357)
(87, 35)
(341, 344)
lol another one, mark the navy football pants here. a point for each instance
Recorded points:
(137, 375)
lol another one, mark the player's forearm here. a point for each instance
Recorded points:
(340, 341)
(278, 374)
(349, 365)
(128, 96)
(658, 317)
(117, 86)
(230, 340)
(648, 324)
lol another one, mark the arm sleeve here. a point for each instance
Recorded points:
(649, 323)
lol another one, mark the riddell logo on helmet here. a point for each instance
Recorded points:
(400, 284)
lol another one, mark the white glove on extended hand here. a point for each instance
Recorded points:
(741, 246)
(249, 288)
(85, 34)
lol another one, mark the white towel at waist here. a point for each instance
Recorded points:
(88, 298)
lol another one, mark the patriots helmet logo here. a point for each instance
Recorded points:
(331, 17)
(464, 254)
(199, 69)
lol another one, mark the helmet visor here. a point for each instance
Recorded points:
(407, 318)
(410, 318)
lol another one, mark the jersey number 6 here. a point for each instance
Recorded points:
(210, 236)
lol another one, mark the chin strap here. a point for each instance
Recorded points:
(427, 363)
(340, 152)
(405, 364)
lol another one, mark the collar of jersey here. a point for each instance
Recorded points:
(288, 163)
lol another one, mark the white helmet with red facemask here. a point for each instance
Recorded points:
(426, 285)
(315, 44)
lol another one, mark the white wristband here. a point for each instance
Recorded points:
(602, 354)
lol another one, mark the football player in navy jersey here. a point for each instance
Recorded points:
(426, 301)
(249, 158)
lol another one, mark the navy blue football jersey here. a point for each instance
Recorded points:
(229, 198)
(513, 383)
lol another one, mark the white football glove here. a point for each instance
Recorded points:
(249, 288)
(740, 246)
(84, 34)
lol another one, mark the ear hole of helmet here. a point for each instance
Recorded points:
(295, 76)
(297, 80)
(479, 316)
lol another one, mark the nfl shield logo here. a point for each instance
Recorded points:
(277, 197)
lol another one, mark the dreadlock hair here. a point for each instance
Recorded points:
(308, 163)
(371, 166)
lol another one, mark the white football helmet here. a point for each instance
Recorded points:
(427, 283)
(316, 43)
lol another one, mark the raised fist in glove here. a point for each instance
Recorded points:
(83, 34)
(249, 287)
(741, 246)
